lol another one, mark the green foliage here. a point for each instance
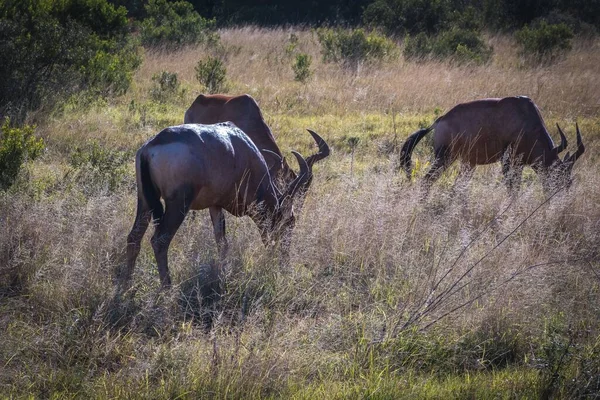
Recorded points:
(53, 49)
(166, 86)
(301, 67)
(417, 47)
(211, 73)
(17, 145)
(460, 45)
(586, 382)
(408, 16)
(554, 354)
(544, 43)
(351, 47)
(99, 168)
(175, 24)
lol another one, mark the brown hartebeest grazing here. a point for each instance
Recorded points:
(484, 131)
(244, 112)
(193, 167)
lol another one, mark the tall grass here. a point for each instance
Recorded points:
(472, 295)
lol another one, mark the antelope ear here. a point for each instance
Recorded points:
(567, 155)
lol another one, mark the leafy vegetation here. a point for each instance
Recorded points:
(351, 47)
(17, 145)
(408, 16)
(544, 42)
(166, 86)
(175, 24)
(460, 45)
(212, 73)
(301, 67)
(53, 48)
(99, 169)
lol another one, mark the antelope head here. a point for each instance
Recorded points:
(560, 174)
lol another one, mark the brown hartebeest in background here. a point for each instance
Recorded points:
(193, 167)
(244, 112)
(509, 129)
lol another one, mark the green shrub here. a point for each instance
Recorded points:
(417, 47)
(544, 43)
(110, 71)
(52, 49)
(351, 47)
(408, 16)
(175, 24)
(211, 73)
(98, 168)
(17, 145)
(166, 86)
(460, 45)
(301, 67)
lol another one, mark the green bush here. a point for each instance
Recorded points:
(301, 67)
(166, 86)
(544, 43)
(351, 47)
(175, 24)
(52, 49)
(408, 16)
(417, 47)
(211, 73)
(17, 145)
(460, 45)
(99, 168)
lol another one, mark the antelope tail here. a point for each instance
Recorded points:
(149, 191)
(408, 147)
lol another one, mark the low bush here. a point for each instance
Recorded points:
(460, 45)
(17, 145)
(175, 24)
(98, 168)
(543, 42)
(166, 86)
(417, 47)
(301, 67)
(211, 73)
(351, 47)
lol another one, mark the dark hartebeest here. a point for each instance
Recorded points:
(484, 131)
(193, 167)
(244, 112)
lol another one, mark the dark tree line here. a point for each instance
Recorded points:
(494, 14)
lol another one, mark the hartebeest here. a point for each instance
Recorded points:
(484, 131)
(244, 112)
(193, 167)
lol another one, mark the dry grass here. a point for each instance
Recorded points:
(458, 296)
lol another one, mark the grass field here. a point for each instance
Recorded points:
(477, 295)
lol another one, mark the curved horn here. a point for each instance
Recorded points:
(563, 140)
(303, 177)
(323, 149)
(580, 147)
